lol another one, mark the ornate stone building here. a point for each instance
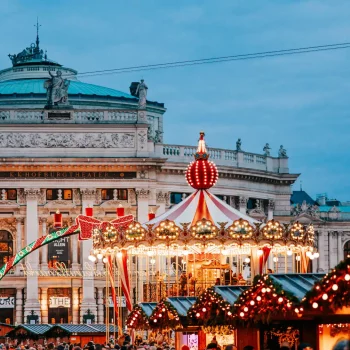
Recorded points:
(66, 144)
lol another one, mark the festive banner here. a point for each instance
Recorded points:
(263, 259)
(112, 281)
(122, 262)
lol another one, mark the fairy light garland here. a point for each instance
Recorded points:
(167, 230)
(297, 231)
(332, 292)
(204, 229)
(210, 309)
(135, 232)
(137, 319)
(241, 229)
(273, 230)
(164, 317)
(264, 299)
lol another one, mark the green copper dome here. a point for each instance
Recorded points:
(36, 86)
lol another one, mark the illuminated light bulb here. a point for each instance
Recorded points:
(198, 314)
(160, 315)
(259, 252)
(99, 256)
(155, 321)
(224, 252)
(247, 260)
(258, 298)
(150, 253)
(268, 290)
(163, 309)
(119, 255)
(185, 252)
(335, 287)
(152, 261)
(245, 309)
(105, 260)
(92, 258)
(296, 310)
(289, 252)
(204, 309)
(315, 305)
(263, 290)
(325, 296)
(308, 254)
(229, 313)
(280, 299)
(241, 314)
(347, 277)
(317, 255)
(252, 302)
(311, 257)
(297, 258)
(275, 259)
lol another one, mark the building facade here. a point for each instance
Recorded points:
(67, 145)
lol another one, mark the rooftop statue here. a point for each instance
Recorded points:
(57, 89)
(141, 92)
(267, 150)
(282, 153)
(238, 145)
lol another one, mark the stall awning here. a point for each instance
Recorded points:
(147, 308)
(297, 283)
(230, 293)
(29, 330)
(181, 304)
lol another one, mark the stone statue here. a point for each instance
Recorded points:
(141, 92)
(282, 153)
(57, 89)
(158, 136)
(267, 150)
(238, 145)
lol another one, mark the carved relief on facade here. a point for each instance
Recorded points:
(60, 204)
(68, 140)
(142, 193)
(9, 225)
(163, 197)
(32, 193)
(76, 196)
(142, 140)
(88, 194)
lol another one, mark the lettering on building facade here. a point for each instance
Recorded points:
(66, 175)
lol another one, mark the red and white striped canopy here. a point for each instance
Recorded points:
(202, 204)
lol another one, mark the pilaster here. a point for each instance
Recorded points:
(19, 306)
(75, 302)
(142, 195)
(44, 306)
(100, 311)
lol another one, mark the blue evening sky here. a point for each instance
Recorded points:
(299, 101)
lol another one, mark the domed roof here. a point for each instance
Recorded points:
(36, 86)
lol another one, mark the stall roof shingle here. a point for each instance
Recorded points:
(148, 308)
(230, 293)
(297, 283)
(38, 329)
(181, 304)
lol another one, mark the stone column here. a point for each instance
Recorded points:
(243, 204)
(321, 261)
(44, 249)
(333, 257)
(74, 247)
(162, 199)
(75, 305)
(44, 306)
(32, 229)
(340, 246)
(100, 311)
(19, 235)
(142, 195)
(88, 301)
(270, 209)
(19, 306)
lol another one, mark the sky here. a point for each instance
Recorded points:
(301, 102)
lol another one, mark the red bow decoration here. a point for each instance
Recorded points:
(87, 224)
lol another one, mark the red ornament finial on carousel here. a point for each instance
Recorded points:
(202, 173)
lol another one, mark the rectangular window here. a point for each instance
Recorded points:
(67, 194)
(123, 194)
(49, 195)
(52, 194)
(175, 197)
(107, 194)
(12, 195)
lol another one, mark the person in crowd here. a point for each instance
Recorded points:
(342, 345)
(305, 346)
(231, 347)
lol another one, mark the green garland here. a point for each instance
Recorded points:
(210, 310)
(164, 317)
(137, 319)
(263, 300)
(332, 292)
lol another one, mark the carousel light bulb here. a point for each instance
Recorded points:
(105, 260)
(153, 261)
(275, 259)
(325, 296)
(311, 257)
(229, 313)
(247, 260)
(297, 258)
(347, 277)
(99, 256)
(259, 252)
(289, 252)
(263, 290)
(335, 287)
(315, 305)
(316, 255)
(224, 252)
(92, 258)
(308, 253)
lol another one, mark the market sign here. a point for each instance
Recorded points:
(120, 301)
(59, 250)
(59, 302)
(7, 303)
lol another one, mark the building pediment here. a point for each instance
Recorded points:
(305, 218)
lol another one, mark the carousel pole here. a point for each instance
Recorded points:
(114, 306)
(107, 303)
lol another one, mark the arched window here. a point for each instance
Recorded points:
(6, 247)
(347, 250)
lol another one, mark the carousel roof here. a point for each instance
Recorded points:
(201, 204)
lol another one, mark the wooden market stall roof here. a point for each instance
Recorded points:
(230, 293)
(182, 304)
(147, 308)
(32, 331)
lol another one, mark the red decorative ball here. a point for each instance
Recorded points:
(202, 174)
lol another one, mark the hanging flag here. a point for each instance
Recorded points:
(122, 262)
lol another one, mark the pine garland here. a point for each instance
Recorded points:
(264, 300)
(332, 292)
(211, 310)
(164, 317)
(137, 319)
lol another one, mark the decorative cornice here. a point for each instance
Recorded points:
(142, 193)
(32, 193)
